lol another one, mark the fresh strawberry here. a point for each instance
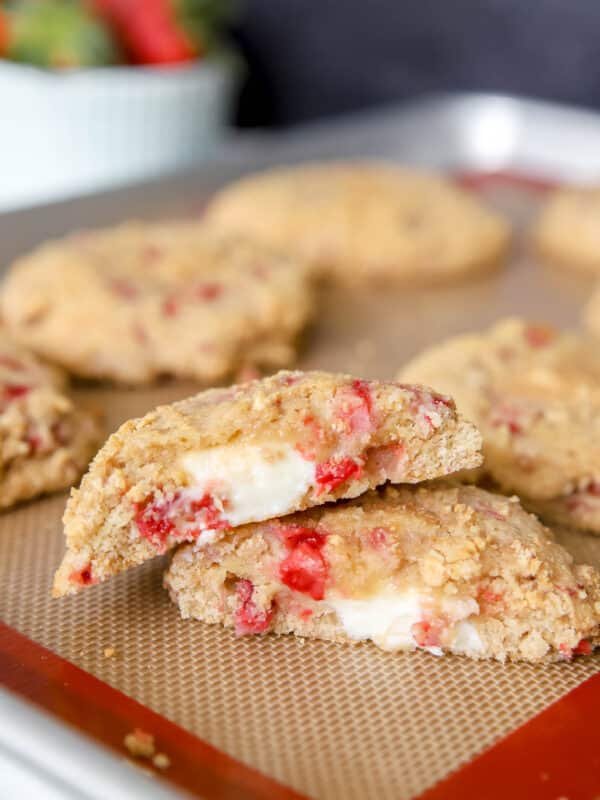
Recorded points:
(4, 33)
(149, 31)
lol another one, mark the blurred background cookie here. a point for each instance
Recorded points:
(140, 300)
(362, 221)
(45, 441)
(568, 229)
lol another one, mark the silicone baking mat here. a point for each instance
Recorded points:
(327, 720)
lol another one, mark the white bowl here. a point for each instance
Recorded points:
(65, 133)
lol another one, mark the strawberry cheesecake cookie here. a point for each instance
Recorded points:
(358, 222)
(534, 393)
(45, 442)
(143, 300)
(447, 569)
(194, 470)
(568, 229)
(592, 313)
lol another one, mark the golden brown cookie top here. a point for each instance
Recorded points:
(141, 300)
(535, 395)
(365, 221)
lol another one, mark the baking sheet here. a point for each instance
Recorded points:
(329, 720)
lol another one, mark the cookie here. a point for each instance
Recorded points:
(142, 300)
(45, 441)
(262, 449)
(568, 229)
(448, 569)
(358, 222)
(534, 394)
(591, 316)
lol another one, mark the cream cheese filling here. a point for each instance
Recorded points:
(388, 618)
(251, 482)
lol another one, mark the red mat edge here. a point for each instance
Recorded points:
(107, 715)
(553, 756)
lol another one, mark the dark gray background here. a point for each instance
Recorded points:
(313, 58)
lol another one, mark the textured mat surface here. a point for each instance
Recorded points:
(330, 720)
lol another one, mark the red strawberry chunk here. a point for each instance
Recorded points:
(305, 568)
(34, 441)
(507, 415)
(164, 520)
(83, 577)
(539, 335)
(154, 524)
(209, 291)
(170, 307)
(15, 390)
(332, 473)
(377, 538)
(248, 618)
(362, 389)
(428, 633)
(584, 648)
(207, 512)
(566, 651)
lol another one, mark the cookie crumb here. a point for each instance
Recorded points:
(109, 652)
(140, 743)
(161, 761)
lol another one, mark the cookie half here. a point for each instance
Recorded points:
(359, 222)
(263, 449)
(45, 441)
(445, 569)
(568, 229)
(142, 300)
(534, 393)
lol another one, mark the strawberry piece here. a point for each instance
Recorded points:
(377, 538)
(359, 414)
(209, 513)
(149, 32)
(388, 460)
(154, 524)
(248, 618)
(487, 596)
(584, 648)
(157, 522)
(170, 307)
(208, 291)
(539, 335)
(362, 389)
(332, 473)
(4, 33)
(83, 577)
(305, 568)
(123, 289)
(35, 443)
(15, 390)
(507, 415)
(566, 651)
(428, 633)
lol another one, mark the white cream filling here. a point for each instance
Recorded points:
(388, 618)
(252, 482)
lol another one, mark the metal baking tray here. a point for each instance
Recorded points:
(472, 134)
